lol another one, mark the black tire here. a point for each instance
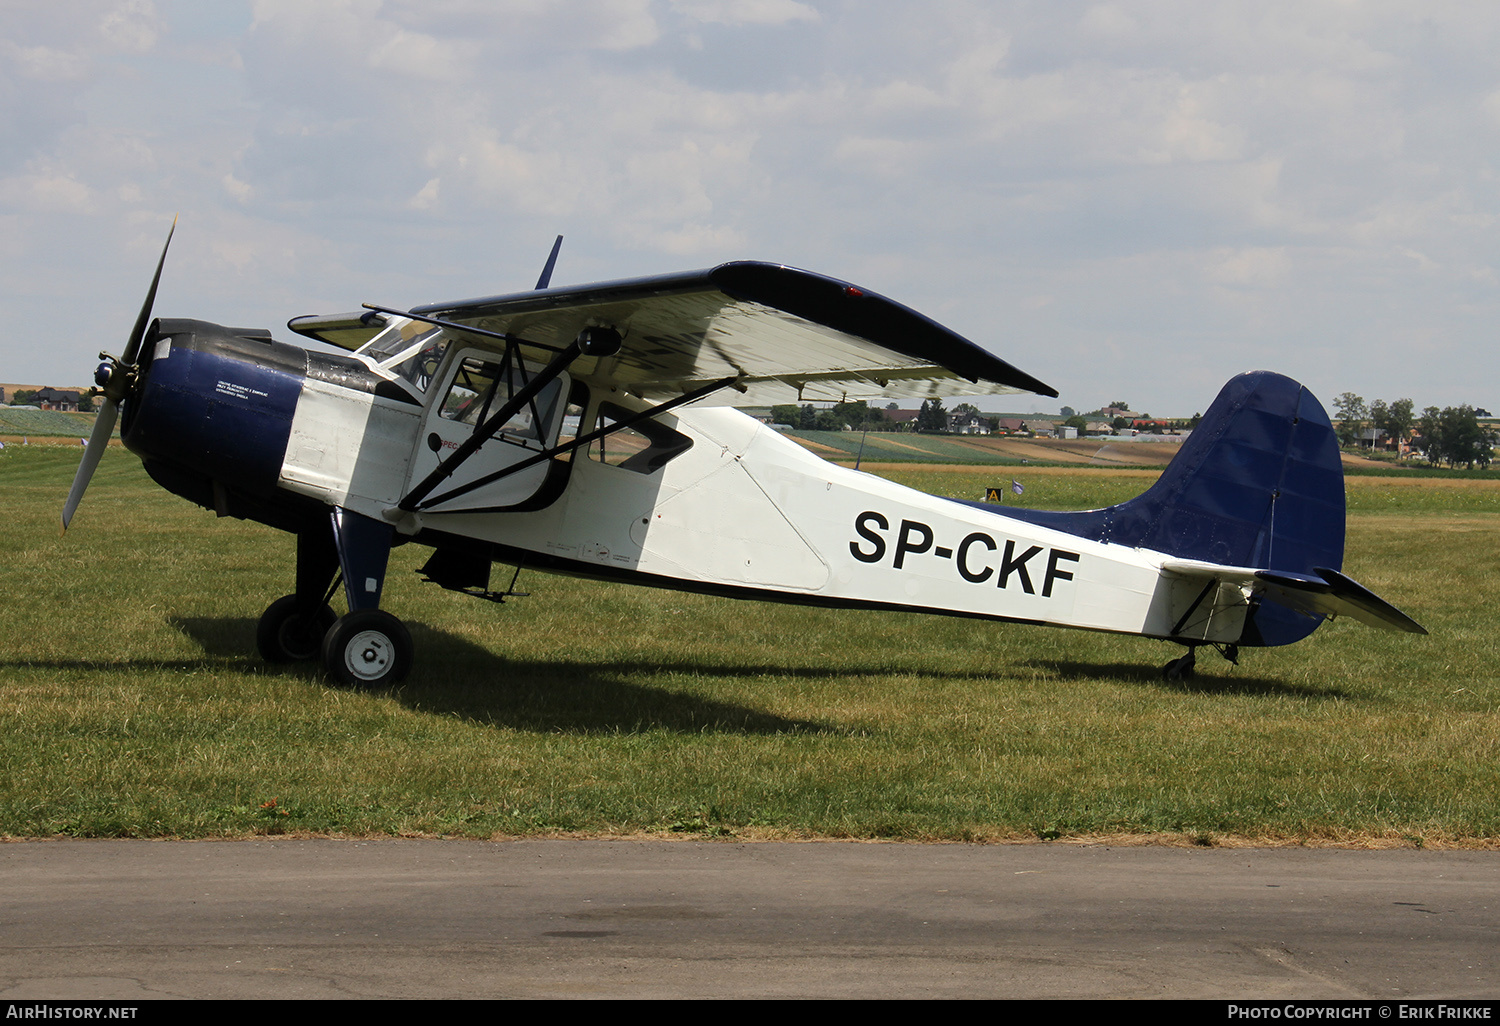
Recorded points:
(281, 637)
(1180, 668)
(369, 648)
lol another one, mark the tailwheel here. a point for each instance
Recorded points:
(286, 635)
(368, 648)
(1182, 667)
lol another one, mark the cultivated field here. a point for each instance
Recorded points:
(131, 701)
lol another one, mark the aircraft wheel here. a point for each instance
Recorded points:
(1180, 668)
(282, 637)
(369, 648)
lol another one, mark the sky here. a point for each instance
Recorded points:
(1131, 201)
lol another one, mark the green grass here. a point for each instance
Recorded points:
(132, 704)
(44, 422)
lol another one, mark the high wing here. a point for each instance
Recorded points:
(783, 334)
(1325, 593)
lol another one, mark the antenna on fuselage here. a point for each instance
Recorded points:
(546, 278)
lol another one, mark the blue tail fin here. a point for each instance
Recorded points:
(1258, 484)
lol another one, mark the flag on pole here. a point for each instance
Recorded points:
(1015, 486)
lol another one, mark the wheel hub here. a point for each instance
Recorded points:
(368, 655)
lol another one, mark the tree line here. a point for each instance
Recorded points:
(1452, 435)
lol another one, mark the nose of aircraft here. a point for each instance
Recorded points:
(213, 402)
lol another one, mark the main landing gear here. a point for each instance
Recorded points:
(1182, 667)
(366, 647)
(1185, 665)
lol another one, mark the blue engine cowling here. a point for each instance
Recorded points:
(216, 402)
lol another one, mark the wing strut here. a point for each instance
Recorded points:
(557, 450)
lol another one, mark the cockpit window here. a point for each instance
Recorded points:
(411, 351)
(481, 387)
(419, 364)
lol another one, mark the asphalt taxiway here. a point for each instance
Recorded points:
(388, 918)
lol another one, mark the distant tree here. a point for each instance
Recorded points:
(1453, 435)
(1351, 416)
(1120, 404)
(85, 401)
(932, 416)
(1399, 419)
(23, 397)
(1068, 411)
(1465, 440)
(828, 420)
(1430, 427)
(788, 413)
(850, 414)
(1075, 421)
(1394, 419)
(1119, 423)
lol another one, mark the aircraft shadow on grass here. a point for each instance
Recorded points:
(1133, 673)
(552, 695)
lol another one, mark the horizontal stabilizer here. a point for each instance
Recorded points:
(1326, 592)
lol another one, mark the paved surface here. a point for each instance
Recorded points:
(393, 918)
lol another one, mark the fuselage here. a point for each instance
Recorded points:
(704, 499)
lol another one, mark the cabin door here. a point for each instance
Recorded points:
(477, 384)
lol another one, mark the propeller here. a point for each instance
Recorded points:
(115, 377)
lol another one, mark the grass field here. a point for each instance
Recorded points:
(44, 423)
(132, 704)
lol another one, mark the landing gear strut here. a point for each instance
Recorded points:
(364, 648)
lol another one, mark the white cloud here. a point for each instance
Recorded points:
(746, 12)
(57, 193)
(1125, 180)
(132, 26)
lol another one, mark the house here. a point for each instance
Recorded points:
(968, 424)
(50, 398)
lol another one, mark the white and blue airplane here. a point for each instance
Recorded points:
(591, 431)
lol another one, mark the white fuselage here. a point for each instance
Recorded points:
(747, 511)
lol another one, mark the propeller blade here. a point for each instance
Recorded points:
(132, 348)
(104, 426)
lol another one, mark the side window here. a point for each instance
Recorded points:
(644, 448)
(482, 386)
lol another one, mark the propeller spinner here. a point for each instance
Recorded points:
(114, 378)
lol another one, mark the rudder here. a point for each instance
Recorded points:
(1259, 483)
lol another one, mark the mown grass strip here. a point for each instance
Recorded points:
(131, 703)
